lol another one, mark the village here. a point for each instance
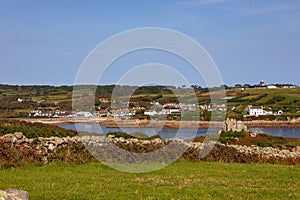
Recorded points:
(157, 110)
(244, 101)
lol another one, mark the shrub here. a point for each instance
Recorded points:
(259, 143)
(119, 134)
(33, 130)
(275, 99)
(231, 136)
(139, 135)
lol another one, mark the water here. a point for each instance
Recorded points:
(279, 131)
(165, 133)
(183, 133)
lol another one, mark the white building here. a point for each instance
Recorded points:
(256, 111)
(40, 113)
(270, 112)
(155, 103)
(189, 107)
(262, 83)
(271, 86)
(166, 111)
(150, 112)
(83, 114)
(221, 107)
(20, 100)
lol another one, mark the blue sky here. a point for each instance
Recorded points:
(45, 42)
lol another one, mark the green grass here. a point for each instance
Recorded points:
(249, 97)
(59, 97)
(273, 91)
(181, 180)
(277, 99)
(52, 98)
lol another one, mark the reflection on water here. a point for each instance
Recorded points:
(165, 133)
(280, 131)
(183, 133)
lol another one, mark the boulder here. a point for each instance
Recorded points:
(253, 134)
(19, 135)
(234, 125)
(13, 194)
(298, 149)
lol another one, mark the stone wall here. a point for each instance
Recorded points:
(16, 149)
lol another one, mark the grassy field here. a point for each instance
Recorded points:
(289, 94)
(181, 180)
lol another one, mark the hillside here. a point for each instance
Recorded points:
(18, 101)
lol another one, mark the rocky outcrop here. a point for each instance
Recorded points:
(234, 125)
(16, 149)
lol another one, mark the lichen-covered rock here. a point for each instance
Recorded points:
(18, 135)
(297, 149)
(234, 125)
(13, 194)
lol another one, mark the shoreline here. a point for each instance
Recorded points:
(113, 123)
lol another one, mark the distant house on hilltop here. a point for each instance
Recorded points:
(280, 112)
(40, 113)
(150, 112)
(256, 110)
(83, 114)
(261, 85)
(171, 109)
(20, 100)
(271, 86)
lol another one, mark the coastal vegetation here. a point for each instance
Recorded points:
(17, 150)
(231, 136)
(261, 140)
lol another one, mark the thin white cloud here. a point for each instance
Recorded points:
(270, 8)
(204, 2)
(248, 7)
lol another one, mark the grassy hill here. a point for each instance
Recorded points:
(51, 97)
(285, 99)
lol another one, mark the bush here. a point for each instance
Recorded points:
(239, 98)
(119, 134)
(33, 130)
(275, 99)
(259, 143)
(231, 136)
(139, 135)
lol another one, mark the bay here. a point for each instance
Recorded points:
(183, 133)
(164, 133)
(279, 131)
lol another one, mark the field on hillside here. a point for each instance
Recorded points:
(181, 180)
(53, 98)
